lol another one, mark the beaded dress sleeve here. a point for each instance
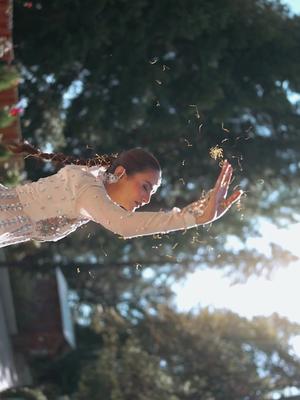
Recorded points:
(93, 202)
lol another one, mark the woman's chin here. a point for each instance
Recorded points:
(128, 208)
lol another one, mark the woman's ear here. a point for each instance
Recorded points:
(120, 171)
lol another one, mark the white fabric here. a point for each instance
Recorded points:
(53, 207)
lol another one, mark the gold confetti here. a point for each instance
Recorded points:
(196, 240)
(216, 152)
(171, 257)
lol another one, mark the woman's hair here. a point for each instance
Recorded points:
(133, 160)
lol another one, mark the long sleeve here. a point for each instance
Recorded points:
(93, 202)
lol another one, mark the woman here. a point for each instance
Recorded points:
(106, 190)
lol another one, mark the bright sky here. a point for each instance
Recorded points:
(294, 5)
(258, 296)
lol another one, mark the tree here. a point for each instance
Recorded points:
(171, 355)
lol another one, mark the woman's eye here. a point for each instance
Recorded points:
(145, 187)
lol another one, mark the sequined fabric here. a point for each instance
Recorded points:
(53, 229)
(15, 226)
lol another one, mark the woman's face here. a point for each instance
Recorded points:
(133, 191)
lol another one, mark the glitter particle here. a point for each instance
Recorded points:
(216, 152)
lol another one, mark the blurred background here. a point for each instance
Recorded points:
(211, 313)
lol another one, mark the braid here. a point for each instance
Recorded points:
(25, 147)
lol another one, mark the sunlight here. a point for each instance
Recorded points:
(258, 296)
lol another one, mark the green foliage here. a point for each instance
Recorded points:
(9, 77)
(145, 76)
(177, 78)
(6, 119)
(170, 355)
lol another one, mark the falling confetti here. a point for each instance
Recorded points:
(197, 111)
(216, 152)
(78, 270)
(188, 143)
(153, 60)
(225, 129)
(138, 267)
(171, 257)
(158, 82)
(91, 275)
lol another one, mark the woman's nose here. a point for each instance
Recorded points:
(146, 198)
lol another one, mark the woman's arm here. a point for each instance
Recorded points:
(94, 203)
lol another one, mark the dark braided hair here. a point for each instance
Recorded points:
(133, 160)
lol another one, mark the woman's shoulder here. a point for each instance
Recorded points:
(82, 174)
(74, 169)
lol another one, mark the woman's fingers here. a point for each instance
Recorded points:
(222, 175)
(227, 180)
(232, 199)
(224, 180)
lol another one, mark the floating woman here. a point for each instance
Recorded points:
(106, 190)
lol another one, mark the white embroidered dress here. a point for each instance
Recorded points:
(53, 207)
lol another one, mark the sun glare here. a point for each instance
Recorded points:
(258, 296)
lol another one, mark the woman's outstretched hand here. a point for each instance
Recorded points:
(218, 203)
